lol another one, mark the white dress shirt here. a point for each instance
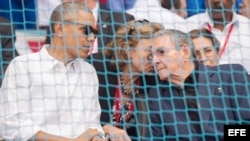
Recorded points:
(40, 93)
(237, 49)
(154, 12)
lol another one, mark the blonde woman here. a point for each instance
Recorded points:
(122, 72)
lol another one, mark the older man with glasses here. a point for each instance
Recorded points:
(194, 101)
(53, 94)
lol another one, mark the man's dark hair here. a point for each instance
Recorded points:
(66, 11)
(168, 4)
(61, 13)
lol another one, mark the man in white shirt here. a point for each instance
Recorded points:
(154, 12)
(230, 28)
(53, 94)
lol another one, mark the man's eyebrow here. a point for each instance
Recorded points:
(161, 47)
(206, 47)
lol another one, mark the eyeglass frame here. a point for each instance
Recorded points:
(88, 28)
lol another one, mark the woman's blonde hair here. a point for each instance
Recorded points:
(127, 38)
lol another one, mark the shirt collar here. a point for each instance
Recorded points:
(46, 58)
(95, 11)
(50, 62)
(193, 76)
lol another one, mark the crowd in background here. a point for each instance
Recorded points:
(30, 14)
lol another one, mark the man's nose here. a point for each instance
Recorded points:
(155, 59)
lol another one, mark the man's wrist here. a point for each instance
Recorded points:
(99, 135)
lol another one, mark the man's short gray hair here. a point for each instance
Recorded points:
(65, 12)
(178, 38)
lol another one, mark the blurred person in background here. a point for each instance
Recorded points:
(118, 5)
(178, 7)
(206, 46)
(245, 8)
(199, 6)
(154, 12)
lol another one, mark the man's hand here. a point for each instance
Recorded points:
(91, 135)
(116, 134)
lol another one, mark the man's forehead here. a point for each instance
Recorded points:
(163, 40)
(83, 17)
(89, 18)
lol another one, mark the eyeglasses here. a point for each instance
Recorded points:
(88, 29)
(162, 51)
(135, 24)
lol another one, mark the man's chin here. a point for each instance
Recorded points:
(84, 53)
(84, 56)
(162, 75)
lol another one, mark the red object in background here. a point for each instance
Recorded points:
(103, 1)
(35, 45)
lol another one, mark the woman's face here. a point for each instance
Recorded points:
(205, 51)
(141, 56)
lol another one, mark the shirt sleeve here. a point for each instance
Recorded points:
(15, 116)
(95, 113)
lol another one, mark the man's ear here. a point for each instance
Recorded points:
(186, 51)
(58, 29)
